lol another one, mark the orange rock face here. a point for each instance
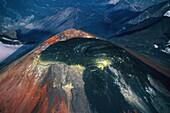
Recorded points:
(64, 36)
(24, 90)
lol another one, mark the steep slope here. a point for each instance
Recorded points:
(75, 72)
(149, 41)
(157, 10)
(29, 90)
(122, 20)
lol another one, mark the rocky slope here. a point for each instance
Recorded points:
(150, 41)
(75, 72)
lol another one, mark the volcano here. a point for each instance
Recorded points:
(77, 72)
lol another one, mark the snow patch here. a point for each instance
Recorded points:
(156, 46)
(29, 26)
(113, 2)
(167, 48)
(5, 51)
(167, 13)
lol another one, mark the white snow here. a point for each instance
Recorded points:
(167, 48)
(6, 50)
(113, 2)
(155, 46)
(167, 13)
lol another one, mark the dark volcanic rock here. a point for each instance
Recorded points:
(75, 72)
(150, 41)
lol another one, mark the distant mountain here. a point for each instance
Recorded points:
(104, 19)
(136, 5)
(123, 15)
(157, 10)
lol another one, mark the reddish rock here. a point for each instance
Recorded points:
(24, 88)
